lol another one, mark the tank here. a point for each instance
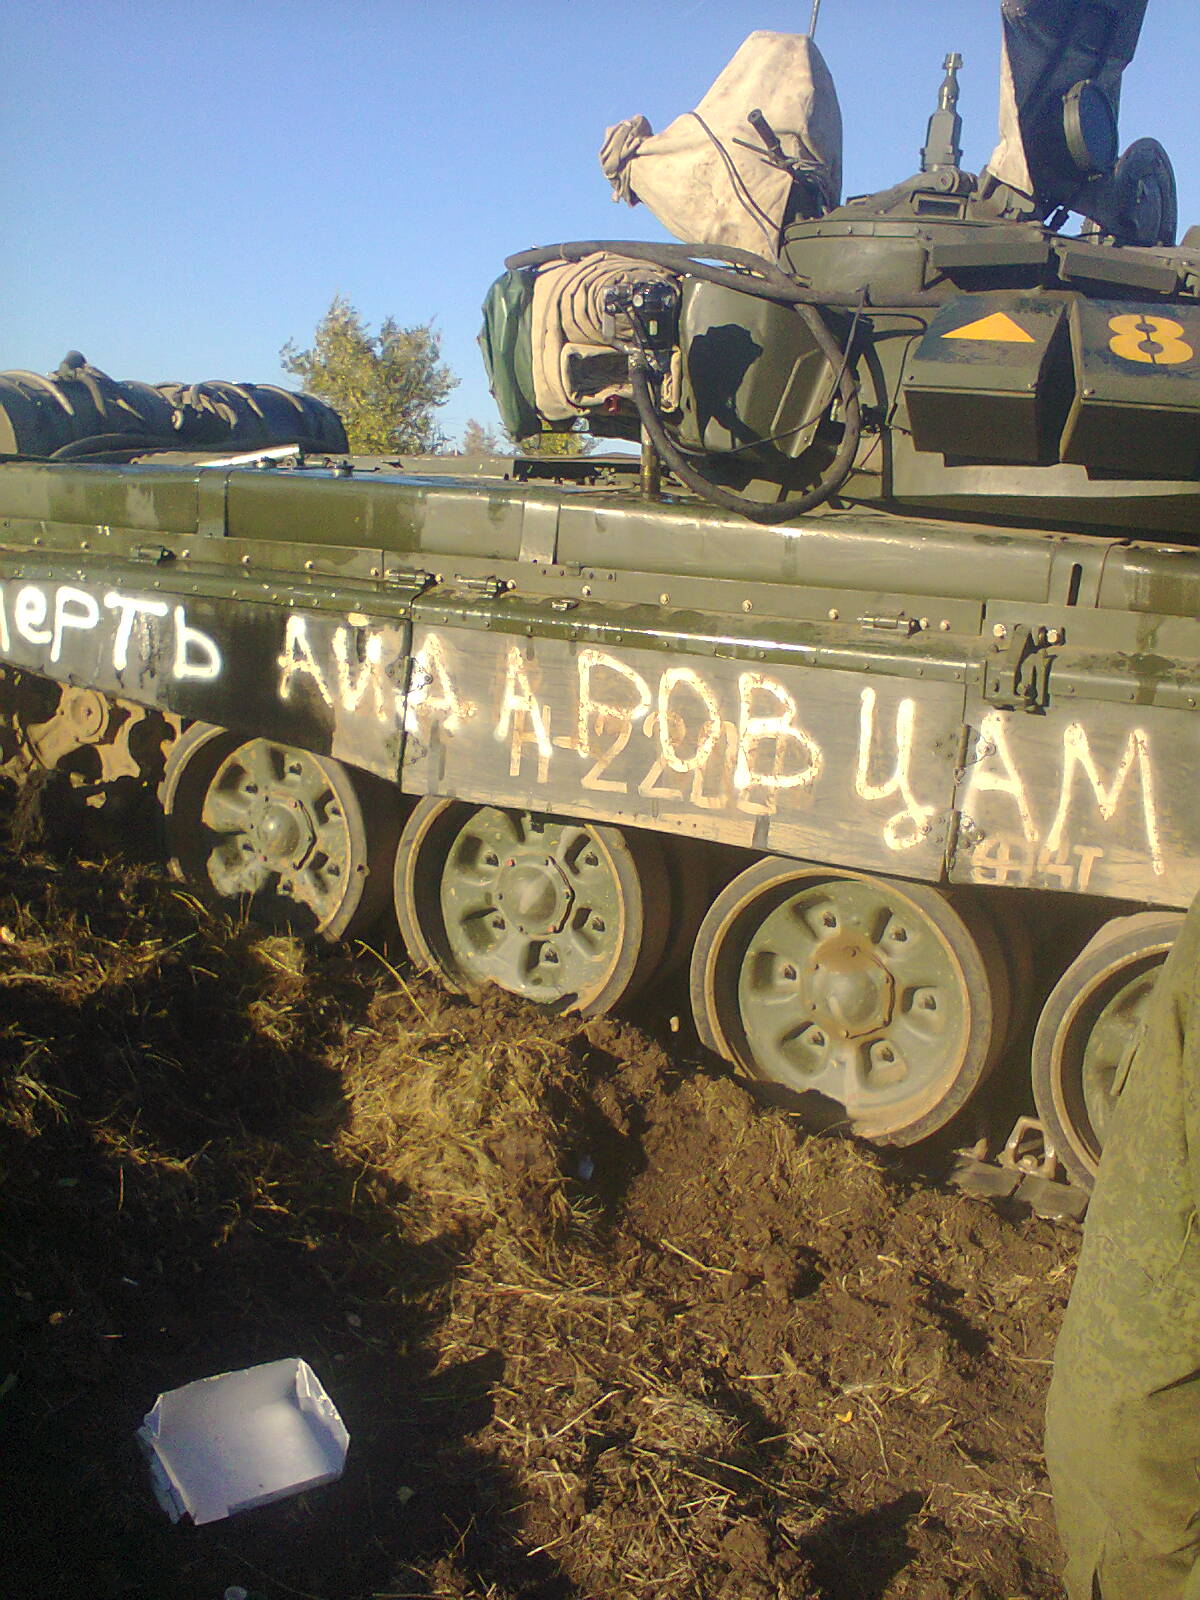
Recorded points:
(866, 695)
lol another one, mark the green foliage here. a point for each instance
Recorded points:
(385, 386)
(557, 444)
(478, 440)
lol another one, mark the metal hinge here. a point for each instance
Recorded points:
(890, 622)
(410, 579)
(488, 587)
(160, 554)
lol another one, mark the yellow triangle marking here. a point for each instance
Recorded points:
(999, 328)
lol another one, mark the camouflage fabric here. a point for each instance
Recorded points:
(1123, 1421)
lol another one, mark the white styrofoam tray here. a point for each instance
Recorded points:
(242, 1439)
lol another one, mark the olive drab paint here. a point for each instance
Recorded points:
(880, 741)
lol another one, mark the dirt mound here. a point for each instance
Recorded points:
(598, 1323)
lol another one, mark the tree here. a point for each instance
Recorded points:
(385, 386)
(557, 444)
(479, 440)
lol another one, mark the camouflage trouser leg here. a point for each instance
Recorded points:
(1123, 1421)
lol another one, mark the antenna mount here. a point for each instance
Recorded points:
(943, 146)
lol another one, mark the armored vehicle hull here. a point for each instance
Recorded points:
(575, 737)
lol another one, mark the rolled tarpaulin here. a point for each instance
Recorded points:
(78, 409)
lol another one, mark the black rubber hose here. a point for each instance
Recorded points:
(755, 510)
(674, 257)
(771, 284)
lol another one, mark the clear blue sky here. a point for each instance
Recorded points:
(184, 187)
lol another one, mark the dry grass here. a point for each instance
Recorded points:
(600, 1327)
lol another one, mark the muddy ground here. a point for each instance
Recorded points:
(598, 1323)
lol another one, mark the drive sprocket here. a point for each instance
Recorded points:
(98, 743)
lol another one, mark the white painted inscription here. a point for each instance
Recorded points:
(39, 615)
(196, 655)
(130, 609)
(73, 608)
(1017, 847)
(349, 670)
(748, 742)
(1069, 807)
(910, 826)
(676, 735)
(432, 695)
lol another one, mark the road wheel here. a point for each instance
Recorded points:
(297, 838)
(874, 1004)
(571, 915)
(1089, 1023)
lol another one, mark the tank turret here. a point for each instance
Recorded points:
(944, 345)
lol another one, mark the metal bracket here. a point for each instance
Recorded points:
(1020, 679)
(488, 587)
(1028, 1150)
(411, 578)
(539, 531)
(212, 486)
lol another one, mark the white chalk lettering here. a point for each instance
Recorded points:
(594, 712)
(1077, 755)
(30, 610)
(777, 729)
(908, 827)
(1007, 859)
(594, 777)
(355, 686)
(652, 785)
(522, 719)
(432, 692)
(298, 661)
(197, 658)
(672, 728)
(73, 608)
(596, 717)
(726, 767)
(992, 744)
(1088, 855)
(130, 608)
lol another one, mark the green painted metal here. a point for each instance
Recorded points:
(532, 905)
(972, 667)
(1112, 1034)
(280, 829)
(289, 523)
(849, 993)
(942, 338)
(754, 380)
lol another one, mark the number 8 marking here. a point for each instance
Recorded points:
(1154, 341)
